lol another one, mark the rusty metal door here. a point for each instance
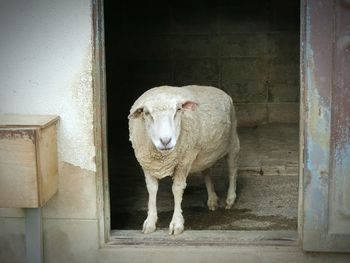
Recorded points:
(325, 122)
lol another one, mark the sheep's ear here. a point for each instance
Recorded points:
(189, 105)
(136, 114)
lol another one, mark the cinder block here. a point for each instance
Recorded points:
(249, 115)
(244, 45)
(284, 44)
(196, 46)
(283, 69)
(283, 91)
(196, 70)
(283, 112)
(245, 91)
(244, 16)
(195, 17)
(147, 47)
(244, 69)
(150, 69)
(283, 79)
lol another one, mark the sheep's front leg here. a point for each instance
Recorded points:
(149, 225)
(177, 223)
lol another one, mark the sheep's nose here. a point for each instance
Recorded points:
(165, 141)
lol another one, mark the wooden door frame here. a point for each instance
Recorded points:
(100, 122)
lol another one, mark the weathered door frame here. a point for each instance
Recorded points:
(311, 105)
(325, 120)
(103, 203)
(100, 122)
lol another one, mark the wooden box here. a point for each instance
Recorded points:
(28, 160)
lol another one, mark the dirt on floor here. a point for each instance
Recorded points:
(198, 218)
(267, 188)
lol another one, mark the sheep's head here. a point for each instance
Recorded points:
(163, 120)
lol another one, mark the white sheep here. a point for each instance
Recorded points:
(176, 131)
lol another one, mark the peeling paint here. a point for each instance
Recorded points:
(317, 129)
(76, 132)
(83, 153)
(317, 149)
(326, 180)
(341, 117)
(343, 160)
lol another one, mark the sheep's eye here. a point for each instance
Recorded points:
(147, 113)
(176, 113)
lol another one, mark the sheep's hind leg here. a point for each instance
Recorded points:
(232, 158)
(149, 225)
(212, 197)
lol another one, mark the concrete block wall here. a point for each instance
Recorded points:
(249, 49)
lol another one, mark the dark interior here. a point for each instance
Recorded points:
(250, 49)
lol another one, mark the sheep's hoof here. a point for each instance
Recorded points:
(230, 201)
(148, 226)
(213, 203)
(176, 227)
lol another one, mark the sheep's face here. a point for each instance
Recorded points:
(163, 125)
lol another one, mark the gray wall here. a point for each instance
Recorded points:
(250, 49)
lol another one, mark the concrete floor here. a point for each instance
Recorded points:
(267, 187)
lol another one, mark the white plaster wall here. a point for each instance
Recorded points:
(45, 68)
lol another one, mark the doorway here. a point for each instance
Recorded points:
(251, 51)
